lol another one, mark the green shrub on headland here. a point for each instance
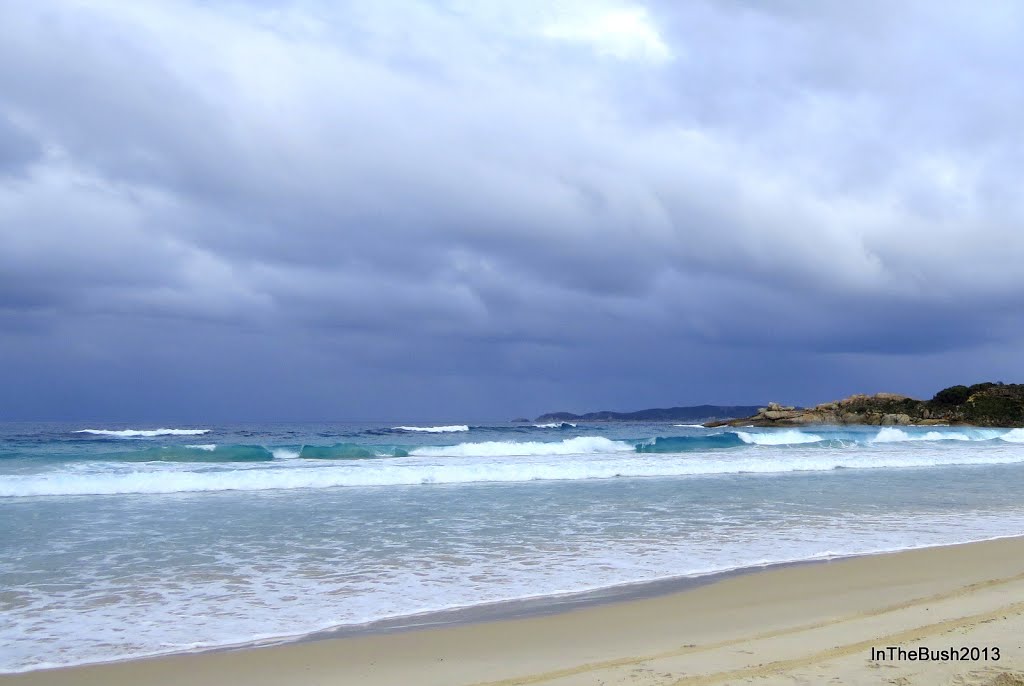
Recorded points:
(954, 395)
(983, 404)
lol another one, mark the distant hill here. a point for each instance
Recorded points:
(663, 414)
(983, 404)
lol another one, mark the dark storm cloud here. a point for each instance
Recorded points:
(303, 209)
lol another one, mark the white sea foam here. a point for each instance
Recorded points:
(1013, 436)
(581, 445)
(291, 589)
(269, 578)
(890, 434)
(554, 425)
(143, 433)
(788, 437)
(690, 426)
(434, 429)
(109, 478)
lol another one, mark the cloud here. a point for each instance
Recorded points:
(625, 33)
(504, 199)
(18, 148)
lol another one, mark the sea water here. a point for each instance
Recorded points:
(124, 541)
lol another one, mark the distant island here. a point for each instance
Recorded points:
(696, 413)
(983, 404)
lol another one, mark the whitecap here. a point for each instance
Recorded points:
(582, 445)
(788, 437)
(103, 480)
(434, 429)
(143, 433)
(890, 434)
(1013, 436)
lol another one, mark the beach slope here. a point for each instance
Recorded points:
(800, 624)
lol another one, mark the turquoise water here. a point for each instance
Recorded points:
(126, 544)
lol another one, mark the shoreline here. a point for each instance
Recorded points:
(515, 608)
(502, 610)
(586, 627)
(539, 606)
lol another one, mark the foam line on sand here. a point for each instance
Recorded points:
(803, 624)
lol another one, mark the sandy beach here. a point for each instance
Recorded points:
(803, 624)
(454, 343)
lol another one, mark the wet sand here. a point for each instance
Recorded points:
(798, 624)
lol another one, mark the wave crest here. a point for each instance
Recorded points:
(582, 445)
(366, 473)
(787, 437)
(891, 434)
(434, 429)
(1013, 436)
(143, 433)
(679, 444)
(347, 451)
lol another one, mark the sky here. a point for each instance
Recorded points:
(216, 210)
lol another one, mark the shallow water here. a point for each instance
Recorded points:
(120, 545)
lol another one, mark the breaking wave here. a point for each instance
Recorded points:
(893, 435)
(555, 425)
(787, 437)
(1013, 436)
(209, 452)
(679, 444)
(434, 429)
(374, 473)
(348, 451)
(147, 468)
(581, 445)
(143, 433)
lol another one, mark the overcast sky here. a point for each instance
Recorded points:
(215, 210)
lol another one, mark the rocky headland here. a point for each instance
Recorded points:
(983, 404)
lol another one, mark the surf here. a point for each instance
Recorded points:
(142, 433)
(105, 479)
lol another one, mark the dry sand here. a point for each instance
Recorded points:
(805, 624)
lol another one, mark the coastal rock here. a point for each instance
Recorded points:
(781, 414)
(983, 404)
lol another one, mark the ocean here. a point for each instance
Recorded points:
(126, 541)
